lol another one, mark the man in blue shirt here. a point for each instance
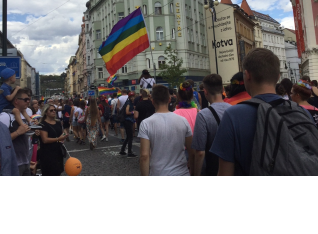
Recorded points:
(234, 140)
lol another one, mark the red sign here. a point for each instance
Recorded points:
(315, 15)
(133, 82)
(299, 28)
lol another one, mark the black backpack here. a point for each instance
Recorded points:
(149, 85)
(107, 113)
(122, 113)
(285, 142)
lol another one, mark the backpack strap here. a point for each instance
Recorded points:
(217, 118)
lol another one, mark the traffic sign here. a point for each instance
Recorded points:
(92, 87)
(91, 93)
(11, 62)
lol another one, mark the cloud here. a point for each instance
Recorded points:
(288, 22)
(47, 40)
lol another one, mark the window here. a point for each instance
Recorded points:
(171, 8)
(121, 15)
(189, 36)
(148, 63)
(87, 44)
(159, 33)
(128, 11)
(161, 61)
(186, 10)
(190, 12)
(173, 34)
(100, 73)
(144, 7)
(192, 39)
(158, 8)
(87, 27)
(124, 69)
(98, 35)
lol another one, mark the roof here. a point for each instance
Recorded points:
(226, 2)
(246, 8)
(265, 17)
(291, 30)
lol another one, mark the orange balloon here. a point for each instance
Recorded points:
(73, 167)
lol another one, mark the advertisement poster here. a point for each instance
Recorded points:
(225, 43)
(299, 28)
(314, 5)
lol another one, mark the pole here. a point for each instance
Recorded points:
(216, 57)
(4, 28)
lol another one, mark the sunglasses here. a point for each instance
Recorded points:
(53, 110)
(25, 99)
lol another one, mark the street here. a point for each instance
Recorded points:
(105, 159)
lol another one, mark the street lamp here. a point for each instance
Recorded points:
(210, 4)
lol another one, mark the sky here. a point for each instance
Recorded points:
(46, 31)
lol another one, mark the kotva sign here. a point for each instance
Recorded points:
(224, 43)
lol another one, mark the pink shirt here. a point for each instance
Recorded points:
(189, 114)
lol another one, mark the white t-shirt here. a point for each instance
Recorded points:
(29, 112)
(122, 100)
(79, 111)
(144, 82)
(114, 105)
(39, 112)
(166, 133)
(75, 109)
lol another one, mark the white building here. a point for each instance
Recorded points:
(273, 39)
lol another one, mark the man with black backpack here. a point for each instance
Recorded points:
(265, 135)
(206, 126)
(144, 109)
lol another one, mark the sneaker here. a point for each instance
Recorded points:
(103, 138)
(122, 153)
(121, 141)
(82, 142)
(132, 155)
(106, 139)
(78, 140)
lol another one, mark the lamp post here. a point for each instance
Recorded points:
(210, 4)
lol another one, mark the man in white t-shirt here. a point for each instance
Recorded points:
(121, 102)
(164, 135)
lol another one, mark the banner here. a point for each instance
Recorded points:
(299, 28)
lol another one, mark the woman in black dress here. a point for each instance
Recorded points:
(51, 136)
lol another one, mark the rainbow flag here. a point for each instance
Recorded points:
(241, 97)
(128, 38)
(106, 91)
(111, 79)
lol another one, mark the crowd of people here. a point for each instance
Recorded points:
(214, 131)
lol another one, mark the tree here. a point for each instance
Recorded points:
(171, 69)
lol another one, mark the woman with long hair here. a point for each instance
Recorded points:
(128, 124)
(51, 155)
(74, 118)
(187, 109)
(93, 122)
(81, 122)
(237, 90)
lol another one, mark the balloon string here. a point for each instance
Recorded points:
(67, 151)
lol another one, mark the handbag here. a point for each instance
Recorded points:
(62, 147)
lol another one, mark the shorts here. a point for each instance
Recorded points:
(74, 124)
(122, 125)
(82, 125)
(66, 124)
(115, 119)
(103, 119)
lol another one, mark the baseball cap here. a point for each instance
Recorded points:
(7, 73)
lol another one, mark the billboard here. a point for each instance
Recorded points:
(314, 5)
(224, 43)
(297, 9)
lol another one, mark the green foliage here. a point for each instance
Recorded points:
(51, 82)
(171, 70)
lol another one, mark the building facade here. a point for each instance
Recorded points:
(306, 28)
(179, 23)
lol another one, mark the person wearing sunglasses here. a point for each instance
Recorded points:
(52, 136)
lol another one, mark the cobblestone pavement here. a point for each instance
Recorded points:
(105, 159)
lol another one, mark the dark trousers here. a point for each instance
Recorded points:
(128, 125)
